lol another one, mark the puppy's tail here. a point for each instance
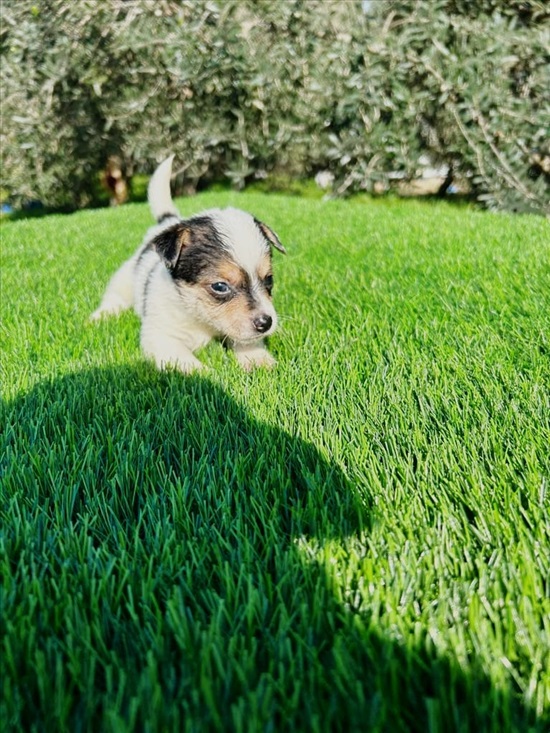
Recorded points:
(158, 192)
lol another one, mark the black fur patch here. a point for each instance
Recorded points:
(146, 286)
(189, 247)
(169, 244)
(165, 217)
(205, 247)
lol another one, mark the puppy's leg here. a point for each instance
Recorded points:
(119, 294)
(167, 351)
(253, 355)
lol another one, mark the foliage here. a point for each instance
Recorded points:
(469, 85)
(243, 88)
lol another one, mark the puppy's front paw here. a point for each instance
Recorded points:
(169, 353)
(185, 366)
(255, 357)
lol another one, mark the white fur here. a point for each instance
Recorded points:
(244, 239)
(158, 191)
(174, 324)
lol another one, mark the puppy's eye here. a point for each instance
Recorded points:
(220, 289)
(268, 283)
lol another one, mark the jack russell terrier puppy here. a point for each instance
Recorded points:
(196, 279)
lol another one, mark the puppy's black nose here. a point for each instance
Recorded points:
(262, 323)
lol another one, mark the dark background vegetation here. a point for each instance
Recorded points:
(244, 89)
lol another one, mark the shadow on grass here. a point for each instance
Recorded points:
(152, 578)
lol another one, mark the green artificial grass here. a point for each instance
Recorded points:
(357, 540)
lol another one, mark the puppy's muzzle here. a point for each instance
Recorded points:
(262, 323)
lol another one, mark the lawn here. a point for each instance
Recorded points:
(358, 540)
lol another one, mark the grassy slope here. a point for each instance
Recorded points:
(357, 540)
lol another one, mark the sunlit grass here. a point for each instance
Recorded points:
(357, 540)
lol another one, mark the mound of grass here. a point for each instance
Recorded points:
(357, 540)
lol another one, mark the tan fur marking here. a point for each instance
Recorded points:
(184, 237)
(235, 314)
(264, 268)
(230, 273)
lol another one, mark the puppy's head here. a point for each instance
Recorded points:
(221, 262)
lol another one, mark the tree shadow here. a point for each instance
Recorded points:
(153, 578)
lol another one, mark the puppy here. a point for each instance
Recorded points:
(196, 279)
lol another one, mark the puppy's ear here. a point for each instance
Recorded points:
(270, 235)
(171, 242)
